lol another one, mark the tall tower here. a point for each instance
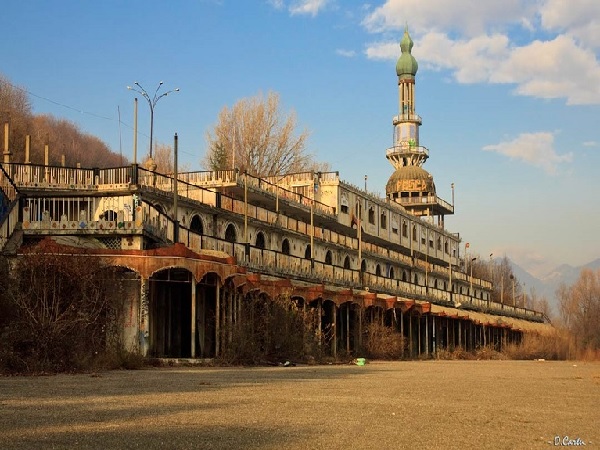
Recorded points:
(411, 185)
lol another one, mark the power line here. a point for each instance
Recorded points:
(81, 111)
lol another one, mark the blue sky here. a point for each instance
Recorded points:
(509, 93)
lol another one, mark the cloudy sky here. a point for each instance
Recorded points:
(509, 93)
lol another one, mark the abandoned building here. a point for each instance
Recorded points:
(194, 247)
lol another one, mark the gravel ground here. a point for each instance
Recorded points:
(383, 405)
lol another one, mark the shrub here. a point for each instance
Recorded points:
(382, 342)
(61, 311)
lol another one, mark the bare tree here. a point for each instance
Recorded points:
(63, 137)
(164, 160)
(16, 110)
(580, 308)
(255, 136)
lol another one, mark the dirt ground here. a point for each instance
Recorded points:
(383, 405)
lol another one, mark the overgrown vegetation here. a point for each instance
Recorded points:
(59, 314)
(382, 342)
(270, 330)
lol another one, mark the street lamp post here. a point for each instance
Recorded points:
(471, 288)
(152, 101)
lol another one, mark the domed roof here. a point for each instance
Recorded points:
(410, 179)
(407, 64)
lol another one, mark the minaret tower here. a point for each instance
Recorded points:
(411, 185)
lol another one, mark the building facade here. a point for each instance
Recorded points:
(194, 248)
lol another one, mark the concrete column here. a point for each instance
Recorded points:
(6, 136)
(144, 320)
(320, 320)
(193, 324)
(334, 327)
(217, 320)
(426, 335)
(27, 148)
(348, 328)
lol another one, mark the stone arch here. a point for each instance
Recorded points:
(169, 312)
(285, 247)
(231, 233)
(391, 273)
(307, 252)
(363, 265)
(328, 258)
(349, 327)
(109, 215)
(260, 241)
(196, 224)
(347, 262)
(378, 270)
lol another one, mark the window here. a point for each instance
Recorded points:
(344, 209)
(372, 216)
(383, 221)
(414, 233)
(285, 247)
(404, 229)
(196, 224)
(230, 233)
(378, 270)
(347, 262)
(307, 252)
(260, 240)
(328, 257)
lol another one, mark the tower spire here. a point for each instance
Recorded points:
(411, 185)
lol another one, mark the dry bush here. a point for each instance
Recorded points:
(270, 331)
(588, 354)
(455, 353)
(61, 314)
(556, 346)
(382, 342)
(488, 352)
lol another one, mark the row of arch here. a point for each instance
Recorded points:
(181, 317)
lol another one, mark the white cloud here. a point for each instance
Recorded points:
(578, 18)
(590, 144)
(345, 53)
(487, 42)
(311, 7)
(466, 17)
(543, 69)
(536, 149)
(277, 4)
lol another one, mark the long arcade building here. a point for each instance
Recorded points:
(194, 248)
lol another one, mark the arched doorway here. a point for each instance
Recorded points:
(170, 313)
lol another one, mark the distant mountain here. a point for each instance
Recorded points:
(547, 285)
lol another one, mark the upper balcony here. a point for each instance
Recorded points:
(407, 117)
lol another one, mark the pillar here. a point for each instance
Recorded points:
(334, 327)
(217, 320)
(144, 324)
(193, 318)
